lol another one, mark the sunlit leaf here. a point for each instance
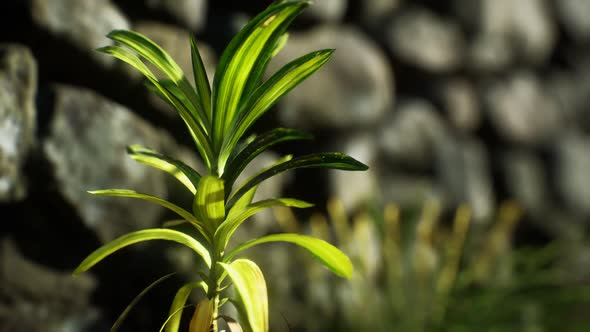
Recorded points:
(258, 145)
(242, 203)
(244, 59)
(201, 80)
(251, 286)
(209, 202)
(141, 236)
(270, 92)
(327, 254)
(179, 303)
(139, 296)
(333, 160)
(203, 316)
(229, 226)
(171, 206)
(181, 171)
(128, 57)
(232, 324)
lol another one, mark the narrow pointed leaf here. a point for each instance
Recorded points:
(201, 81)
(270, 92)
(179, 302)
(171, 317)
(139, 296)
(141, 236)
(202, 317)
(242, 57)
(281, 42)
(229, 226)
(242, 203)
(209, 202)
(181, 171)
(149, 50)
(170, 206)
(258, 145)
(128, 57)
(330, 256)
(333, 160)
(249, 282)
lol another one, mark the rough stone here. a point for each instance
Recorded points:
(489, 53)
(356, 188)
(82, 23)
(34, 298)
(521, 111)
(526, 26)
(18, 86)
(86, 150)
(423, 39)
(355, 88)
(464, 174)
(575, 17)
(410, 136)
(327, 10)
(573, 163)
(461, 104)
(374, 12)
(409, 190)
(192, 14)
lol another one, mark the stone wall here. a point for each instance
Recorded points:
(473, 101)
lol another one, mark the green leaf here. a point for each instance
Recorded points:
(270, 92)
(281, 42)
(229, 226)
(209, 202)
(139, 296)
(171, 206)
(179, 303)
(249, 282)
(242, 203)
(244, 59)
(181, 171)
(128, 57)
(333, 160)
(201, 81)
(203, 316)
(149, 50)
(256, 147)
(327, 254)
(141, 236)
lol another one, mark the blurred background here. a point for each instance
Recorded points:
(473, 116)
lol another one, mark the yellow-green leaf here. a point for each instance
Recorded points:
(141, 236)
(181, 171)
(249, 282)
(209, 202)
(171, 206)
(201, 81)
(172, 323)
(330, 256)
(203, 316)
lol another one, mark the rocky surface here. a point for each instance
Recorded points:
(18, 86)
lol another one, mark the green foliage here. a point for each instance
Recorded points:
(419, 273)
(217, 119)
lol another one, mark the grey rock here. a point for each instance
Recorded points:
(18, 86)
(464, 174)
(522, 111)
(409, 190)
(82, 23)
(373, 12)
(192, 14)
(575, 17)
(489, 53)
(571, 90)
(423, 39)
(461, 104)
(175, 41)
(86, 150)
(525, 180)
(526, 25)
(327, 10)
(356, 188)
(34, 298)
(573, 163)
(355, 88)
(410, 136)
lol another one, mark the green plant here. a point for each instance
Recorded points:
(217, 118)
(415, 272)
